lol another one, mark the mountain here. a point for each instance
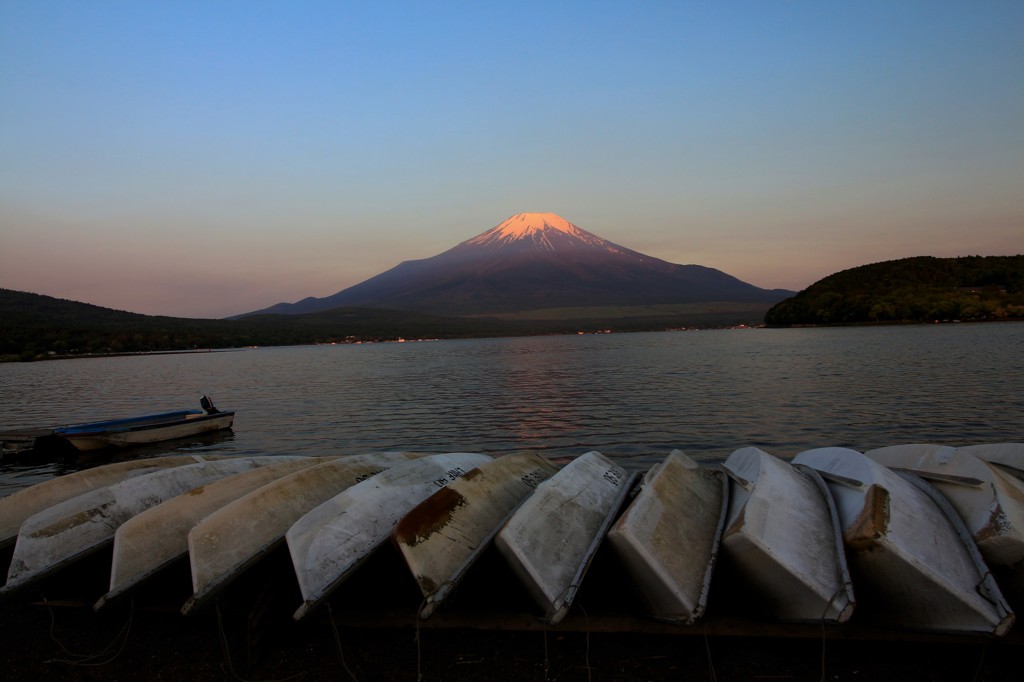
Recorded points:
(919, 289)
(535, 261)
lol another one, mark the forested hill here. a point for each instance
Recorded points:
(34, 326)
(921, 289)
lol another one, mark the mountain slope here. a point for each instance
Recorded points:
(534, 261)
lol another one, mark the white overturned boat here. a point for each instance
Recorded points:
(1008, 455)
(236, 536)
(989, 500)
(151, 428)
(443, 535)
(782, 537)
(551, 539)
(331, 541)
(158, 536)
(74, 528)
(668, 537)
(17, 507)
(913, 560)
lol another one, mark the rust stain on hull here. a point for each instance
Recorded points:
(430, 516)
(873, 521)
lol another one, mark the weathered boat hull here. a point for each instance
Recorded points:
(74, 528)
(331, 541)
(158, 536)
(443, 535)
(1009, 455)
(17, 507)
(782, 537)
(914, 564)
(988, 499)
(668, 538)
(225, 543)
(551, 539)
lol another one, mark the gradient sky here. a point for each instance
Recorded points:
(208, 158)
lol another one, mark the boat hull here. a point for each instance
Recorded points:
(914, 563)
(551, 539)
(17, 507)
(988, 499)
(126, 433)
(668, 538)
(228, 541)
(443, 535)
(782, 539)
(155, 538)
(74, 528)
(331, 541)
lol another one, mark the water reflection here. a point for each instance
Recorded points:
(633, 397)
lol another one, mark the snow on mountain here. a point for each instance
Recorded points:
(545, 230)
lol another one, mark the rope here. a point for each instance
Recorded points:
(227, 652)
(547, 663)
(586, 655)
(711, 664)
(419, 648)
(90, 660)
(337, 641)
(981, 661)
(842, 589)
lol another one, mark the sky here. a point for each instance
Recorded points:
(205, 159)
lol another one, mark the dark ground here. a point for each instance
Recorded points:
(66, 643)
(368, 632)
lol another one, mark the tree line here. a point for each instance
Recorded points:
(919, 289)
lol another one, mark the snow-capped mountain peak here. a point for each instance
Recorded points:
(545, 230)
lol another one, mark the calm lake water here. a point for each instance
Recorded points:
(633, 397)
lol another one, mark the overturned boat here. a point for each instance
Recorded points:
(1009, 456)
(551, 539)
(74, 528)
(668, 538)
(155, 538)
(989, 500)
(443, 535)
(332, 540)
(235, 537)
(913, 560)
(17, 507)
(782, 537)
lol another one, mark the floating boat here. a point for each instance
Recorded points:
(782, 537)
(153, 428)
(989, 501)
(157, 537)
(17, 507)
(330, 542)
(668, 537)
(914, 562)
(551, 539)
(228, 541)
(74, 528)
(443, 535)
(1008, 455)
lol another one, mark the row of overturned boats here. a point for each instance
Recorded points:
(922, 537)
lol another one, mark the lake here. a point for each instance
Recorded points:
(633, 397)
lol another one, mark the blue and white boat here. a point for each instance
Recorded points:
(153, 428)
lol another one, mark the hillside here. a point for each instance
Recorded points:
(921, 289)
(32, 325)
